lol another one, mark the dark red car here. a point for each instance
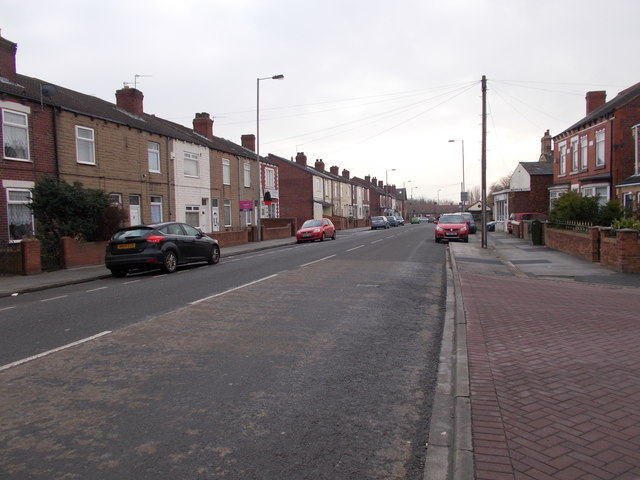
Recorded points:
(317, 229)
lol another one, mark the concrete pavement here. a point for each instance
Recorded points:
(544, 379)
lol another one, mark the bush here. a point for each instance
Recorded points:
(573, 207)
(69, 210)
(625, 223)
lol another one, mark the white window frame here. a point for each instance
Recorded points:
(591, 191)
(226, 171)
(17, 202)
(191, 159)
(156, 201)
(574, 155)
(600, 148)
(636, 138)
(15, 127)
(247, 217)
(89, 142)
(562, 148)
(584, 153)
(226, 213)
(247, 174)
(189, 210)
(153, 153)
(115, 199)
(270, 178)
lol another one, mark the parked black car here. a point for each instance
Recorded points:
(162, 245)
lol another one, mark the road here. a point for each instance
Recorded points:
(311, 361)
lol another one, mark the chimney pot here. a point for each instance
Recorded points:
(203, 124)
(319, 165)
(301, 158)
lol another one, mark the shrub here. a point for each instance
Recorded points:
(619, 223)
(573, 207)
(69, 210)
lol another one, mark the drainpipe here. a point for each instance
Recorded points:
(170, 197)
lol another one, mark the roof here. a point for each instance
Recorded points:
(538, 168)
(632, 180)
(607, 108)
(89, 105)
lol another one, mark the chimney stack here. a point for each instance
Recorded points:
(546, 145)
(335, 170)
(301, 158)
(203, 124)
(345, 174)
(595, 99)
(8, 60)
(367, 179)
(319, 165)
(249, 141)
(130, 99)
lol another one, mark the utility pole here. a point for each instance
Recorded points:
(484, 161)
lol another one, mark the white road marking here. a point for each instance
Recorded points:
(96, 289)
(233, 289)
(131, 281)
(355, 248)
(49, 352)
(316, 261)
(54, 298)
(376, 241)
(7, 308)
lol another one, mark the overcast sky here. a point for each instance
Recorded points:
(369, 86)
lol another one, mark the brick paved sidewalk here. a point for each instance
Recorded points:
(555, 378)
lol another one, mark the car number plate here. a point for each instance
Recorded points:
(451, 234)
(126, 246)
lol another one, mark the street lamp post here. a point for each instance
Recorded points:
(463, 193)
(386, 176)
(259, 203)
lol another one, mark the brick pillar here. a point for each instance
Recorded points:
(628, 249)
(31, 262)
(594, 233)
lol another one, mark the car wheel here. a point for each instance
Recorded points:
(437, 240)
(119, 272)
(214, 256)
(169, 262)
(322, 237)
(333, 237)
(465, 240)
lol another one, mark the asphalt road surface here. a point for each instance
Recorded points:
(316, 361)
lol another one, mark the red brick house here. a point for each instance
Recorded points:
(28, 140)
(596, 156)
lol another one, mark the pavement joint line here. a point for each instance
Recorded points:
(54, 350)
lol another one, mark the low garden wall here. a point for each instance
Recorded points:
(81, 254)
(583, 244)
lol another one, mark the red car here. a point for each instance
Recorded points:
(317, 229)
(452, 226)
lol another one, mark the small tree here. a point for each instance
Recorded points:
(573, 207)
(62, 209)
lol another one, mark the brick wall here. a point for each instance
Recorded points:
(585, 245)
(622, 252)
(31, 256)
(80, 254)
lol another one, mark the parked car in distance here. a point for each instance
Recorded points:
(161, 245)
(451, 226)
(316, 229)
(393, 221)
(415, 220)
(379, 222)
(400, 219)
(518, 217)
(470, 221)
(491, 226)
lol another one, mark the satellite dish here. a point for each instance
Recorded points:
(47, 90)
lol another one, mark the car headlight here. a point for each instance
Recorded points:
(316, 230)
(439, 229)
(464, 229)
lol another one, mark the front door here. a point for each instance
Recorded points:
(134, 210)
(215, 215)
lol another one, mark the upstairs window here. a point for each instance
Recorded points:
(15, 134)
(574, 155)
(247, 174)
(153, 152)
(226, 171)
(600, 148)
(563, 158)
(191, 167)
(270, 178)
(85, 146)
(583, 153)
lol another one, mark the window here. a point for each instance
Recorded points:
(19, 214)
(115, 200)
(270, 178)
(600, 191)
(191, 231)
(247, 174)
(226, 172)
(156, 208)
(599, 148)
(227, 213)
(247, 216)
(191, 167)
(563, 158)
(583, 153)
(153, 152)
(574, 155)
(192, 215)
(15, 135)
(85, 146)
